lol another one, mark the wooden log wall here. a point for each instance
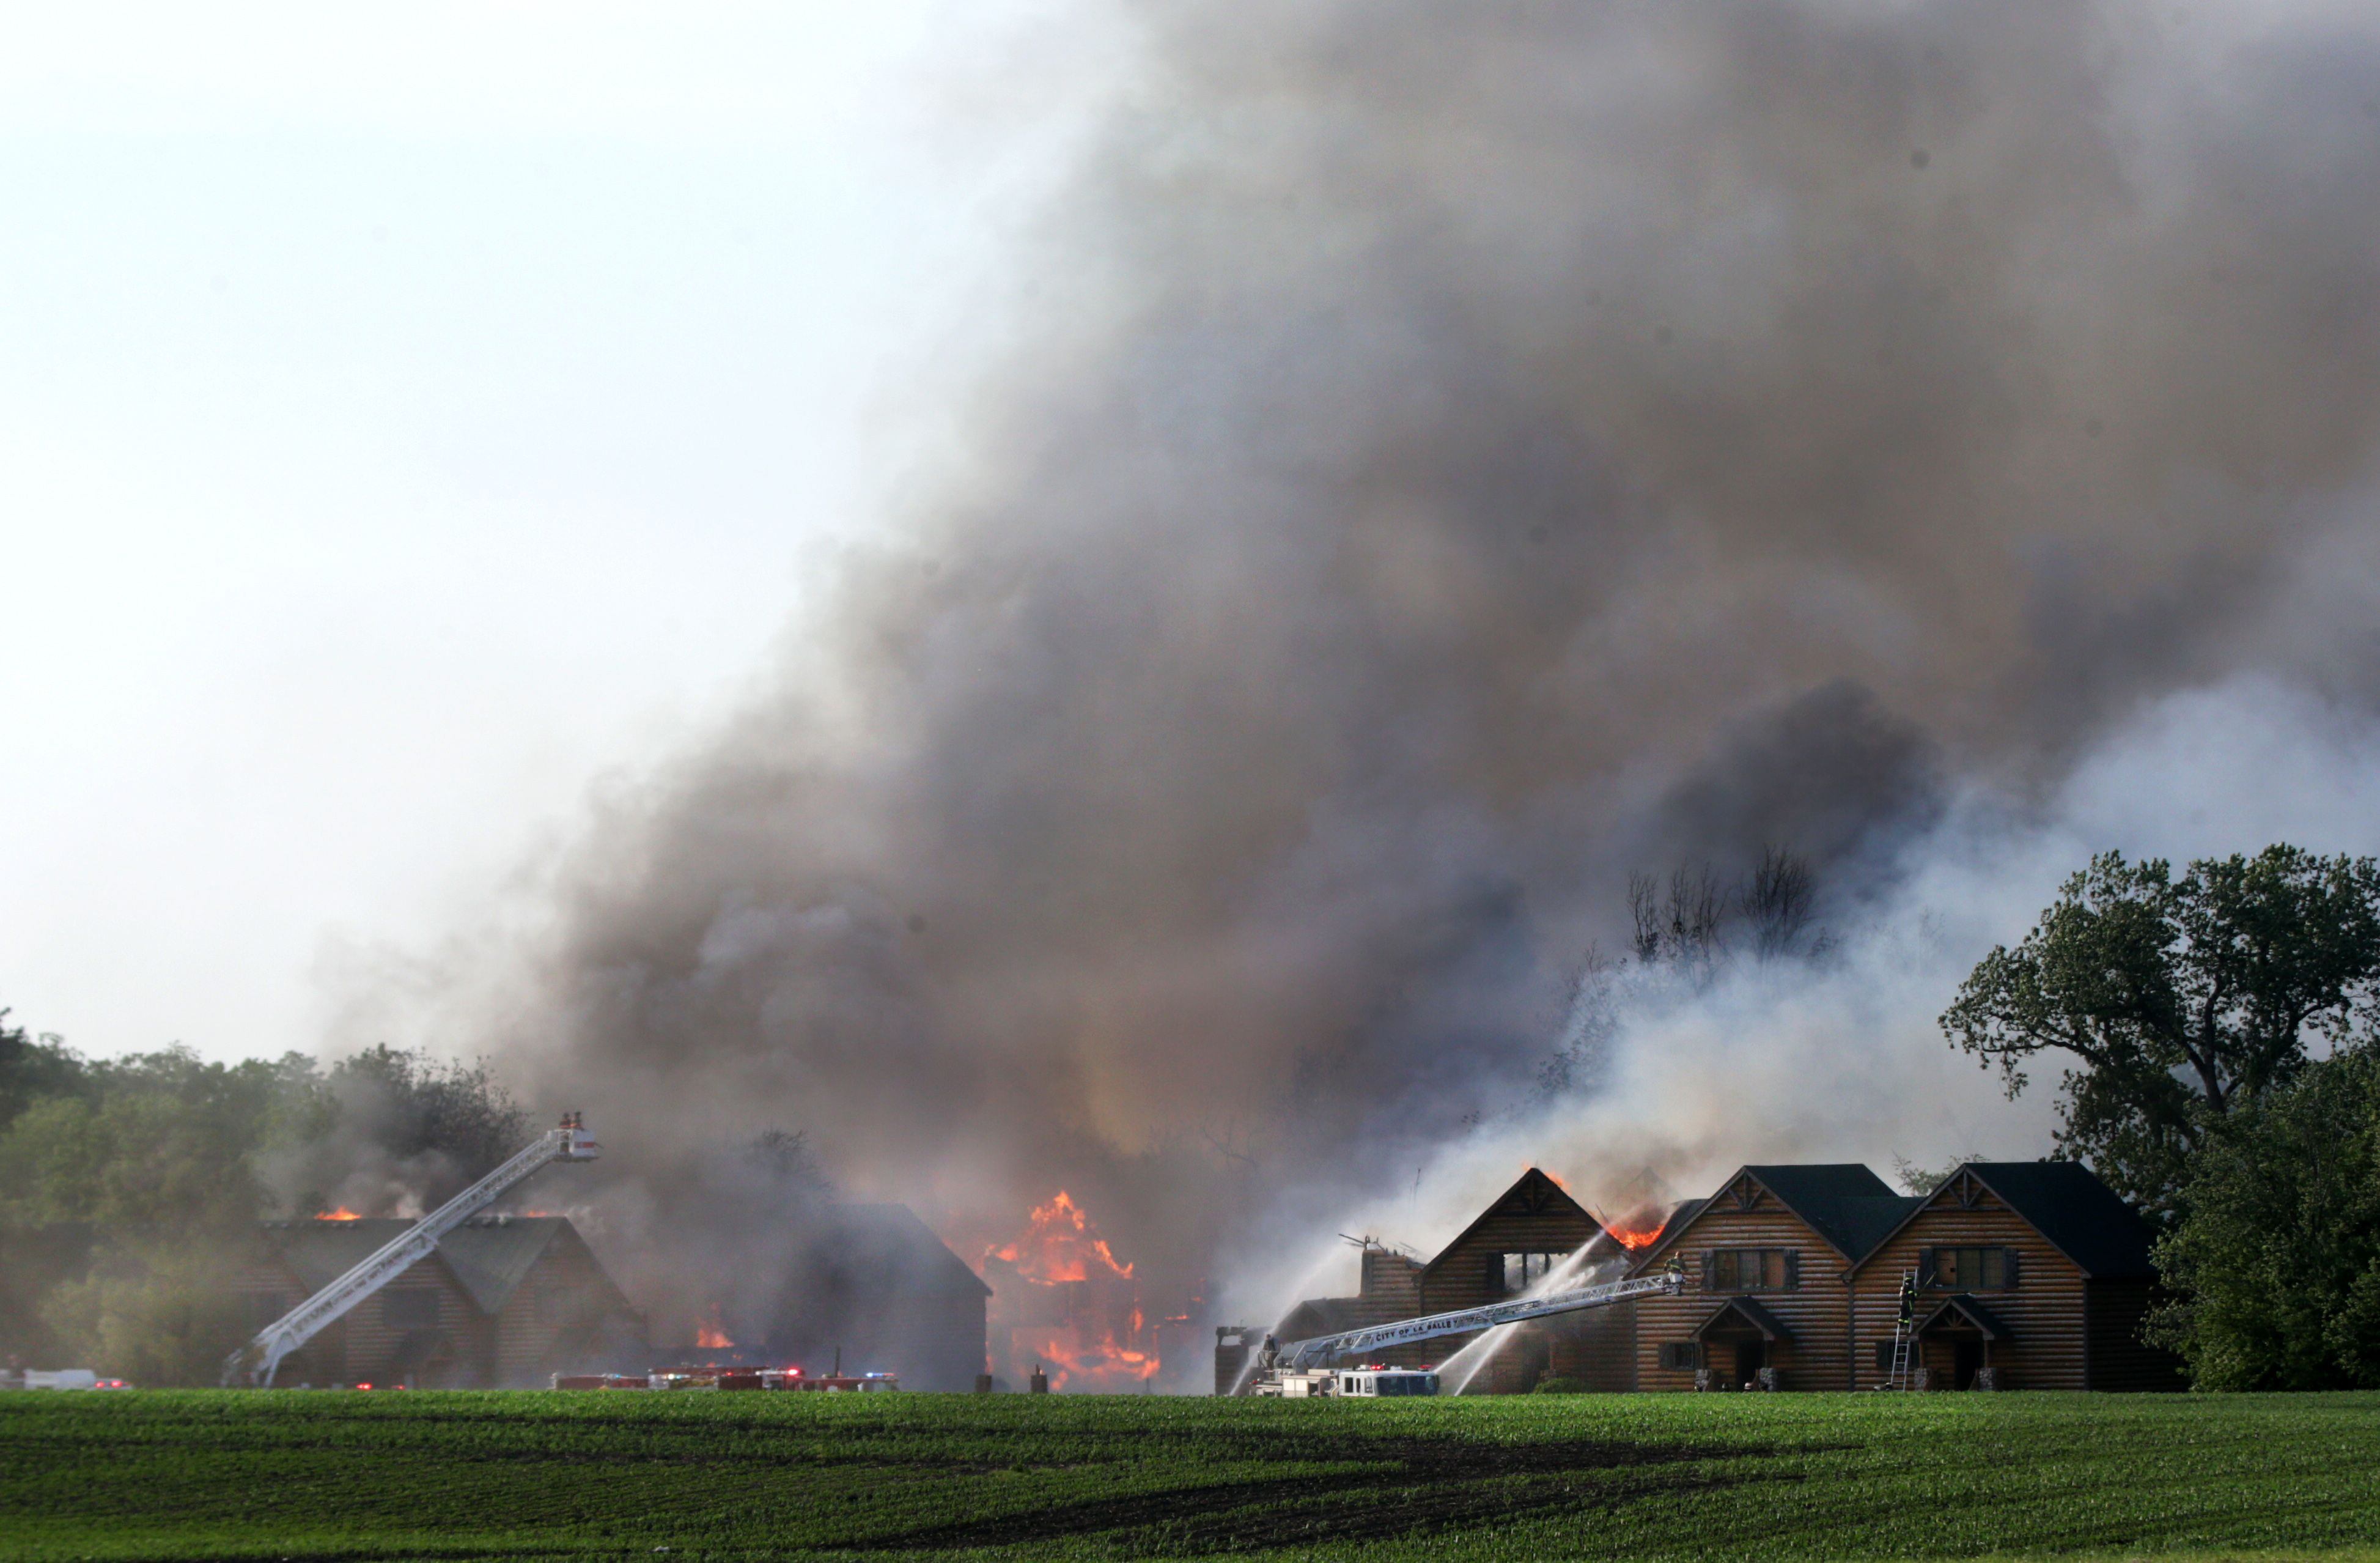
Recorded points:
(566, 1291)
(1815, 1312)
(361, 1345)
(1597, 1348)
(1471, 1273)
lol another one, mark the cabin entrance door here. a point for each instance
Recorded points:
(1751, 1356)
(1966, 1357)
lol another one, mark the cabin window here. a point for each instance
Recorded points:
(1520, 1271)
(1751, 1269)
(1973, 1269)
(1682, 1354)
(413, 1309)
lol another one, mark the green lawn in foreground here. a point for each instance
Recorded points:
(527, 1474)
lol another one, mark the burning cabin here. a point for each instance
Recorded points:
(2028, 1274)
(868, 1289)
(1065, 1306)
(503, 1300)
(1529, 1232)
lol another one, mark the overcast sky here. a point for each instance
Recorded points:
(407, 416)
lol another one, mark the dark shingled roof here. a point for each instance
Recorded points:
(2065, 1202)
(2082, 1218)
(489, 1255)
(491, 1261)
(1853, 1209)
(1844, 1202)
(1868, 1221)
(889, 1240)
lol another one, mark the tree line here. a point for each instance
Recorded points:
(132, 1188)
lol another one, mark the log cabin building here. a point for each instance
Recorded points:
(2030, 1275)
(1528, 1232)
(1767, 1261)
(1524, 1233)
(503, 1300)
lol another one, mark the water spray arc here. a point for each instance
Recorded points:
(1287, 1369)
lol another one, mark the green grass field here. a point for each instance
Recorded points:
(297, 1475)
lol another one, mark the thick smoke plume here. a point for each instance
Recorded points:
(1458, 456)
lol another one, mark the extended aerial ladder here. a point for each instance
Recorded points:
(256, 1361)
(1300, 1356)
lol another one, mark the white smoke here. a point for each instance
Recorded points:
(1841, 1058)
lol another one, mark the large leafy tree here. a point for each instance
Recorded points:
(32, 1068)
(2277, 1261)
(2177, 1000)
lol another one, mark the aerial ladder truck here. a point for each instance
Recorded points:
(255, 1362)
(1304, 1367)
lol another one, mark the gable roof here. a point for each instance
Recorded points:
(1770, 1327)
(491, 1261)
(488, 1256)
(1850, 1208)
(1533, 1193)
(2074, 1213)
(1963, 1305)
(889, 1241)
(2082, 1218)
(1844, 1202)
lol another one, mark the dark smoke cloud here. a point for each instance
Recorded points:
(1461, 454)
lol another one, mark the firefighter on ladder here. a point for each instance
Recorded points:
(1899, 1376)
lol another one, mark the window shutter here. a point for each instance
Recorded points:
(2008, 1268)
(1926, 1268)
(1793, 1269)
(1710, 1270)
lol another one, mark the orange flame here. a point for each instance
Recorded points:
(1067, 1305)
(342, 1214)
(1637, 1231)
(1060, 1246)
(712, 1336)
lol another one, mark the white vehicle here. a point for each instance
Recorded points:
(1297, 1386)
(1371, 1381)
(1387, 1381)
